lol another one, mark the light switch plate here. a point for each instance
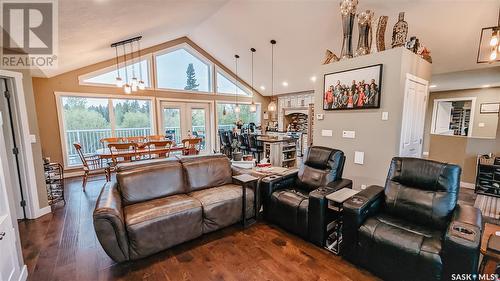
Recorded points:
(326, 133)
(349, 134)
(320, 116)
(359, 157)
(385, 116)
(481, 125)
(32, 138)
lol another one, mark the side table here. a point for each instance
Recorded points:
(334, 228)
(247, 181)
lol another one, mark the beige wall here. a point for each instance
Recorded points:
(378, 139)
(463, 150)
(46, 110)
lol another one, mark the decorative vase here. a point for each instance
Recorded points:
(365, 35)
(237, 156)
(380, 37)
(348, 12)
(399, 32)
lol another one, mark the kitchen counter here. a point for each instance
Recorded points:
(271, 139)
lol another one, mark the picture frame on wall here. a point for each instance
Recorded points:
(487, 108)
(358, 88)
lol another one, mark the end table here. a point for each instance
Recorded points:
(247, 181)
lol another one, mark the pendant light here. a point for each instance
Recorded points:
(127, 87)
(134, 82)
(237, 108)
(141, 85)
(489, 44)
(271, 107)
(118, 81)
(253, 106)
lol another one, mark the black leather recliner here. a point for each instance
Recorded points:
(413, 228)
(297, 202)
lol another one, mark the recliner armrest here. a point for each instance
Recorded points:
(272, 183)
(462, 241)
(355, 211)
(109, 223)
(339, 184)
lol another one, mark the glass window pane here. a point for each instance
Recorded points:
(181, 70)
(199, 125)
(109, 78)
(132, 117)
(227, 122)
(226, 86)
(86, 121)
(172, 123)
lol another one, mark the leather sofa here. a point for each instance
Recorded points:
(413, 229)
(297, 203)
(158, 204)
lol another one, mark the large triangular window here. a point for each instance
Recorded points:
(227, 85)
(181, 68)
(107, 76)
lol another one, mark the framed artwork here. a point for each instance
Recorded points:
(489, 108)
(357, 88)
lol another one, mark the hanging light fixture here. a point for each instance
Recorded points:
(489, 44)
(237, 108)
(141, 85)
(127, 87)
(253, 106)
(271, 107)
(118, 81)
(134, 83)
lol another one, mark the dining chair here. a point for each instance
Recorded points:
(156, 138)
(92, 165)
(123, 152)
(191, 146)
(255, 146)
(159, 149)
(137, 139)
(106, 141)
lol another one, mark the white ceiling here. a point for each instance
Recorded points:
(304, 29)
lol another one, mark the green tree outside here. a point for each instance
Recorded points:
(191, 79)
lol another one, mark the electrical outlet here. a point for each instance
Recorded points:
(326, 133)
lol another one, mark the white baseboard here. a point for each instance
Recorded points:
(42, 211)
(468, 185)
(24, 273)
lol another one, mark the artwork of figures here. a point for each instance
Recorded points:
(353, 89)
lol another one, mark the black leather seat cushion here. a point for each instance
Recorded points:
(395, 247)
(290, 210)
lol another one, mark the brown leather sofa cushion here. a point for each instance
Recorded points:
(151, 182)
(158, 224)
(222, 205)
(206, 172)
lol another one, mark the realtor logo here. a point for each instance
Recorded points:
(29, 33)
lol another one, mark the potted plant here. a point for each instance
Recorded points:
(237, 154)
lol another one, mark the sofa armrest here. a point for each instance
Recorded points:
(109, 223)
(317, 210)
(462, 241)
(355, 211)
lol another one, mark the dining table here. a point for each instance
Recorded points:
(105, 153)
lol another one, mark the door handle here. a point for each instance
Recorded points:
(2, 234)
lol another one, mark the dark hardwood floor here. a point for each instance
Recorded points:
(63, 246)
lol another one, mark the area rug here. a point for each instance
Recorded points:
(489, 205)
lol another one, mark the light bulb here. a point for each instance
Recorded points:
(253, 107)
(237, 109)
(272, 106)
(494, 40)
(141, 85)
(493, 55)
(134, 81)
(134, 87)
(119, 82)
(127, 89)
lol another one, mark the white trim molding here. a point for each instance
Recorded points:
(33, 209)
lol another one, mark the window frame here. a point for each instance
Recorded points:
(232, 80)
(188, 48)
(109, 97)
(147, 57)
(435, 113)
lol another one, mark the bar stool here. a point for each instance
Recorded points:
(255, 146)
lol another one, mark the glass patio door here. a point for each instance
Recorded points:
(182, 120)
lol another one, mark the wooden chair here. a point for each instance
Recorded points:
(159, 149)
(156, 138)
(106, 141)
(191, 146)
(135, 139)
(123, 152)
(92, 165)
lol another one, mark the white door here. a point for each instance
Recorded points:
(415, 104)
(9, 264)
(185, 120)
